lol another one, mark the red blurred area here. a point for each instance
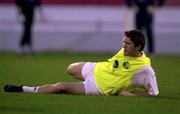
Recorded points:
(90, 2)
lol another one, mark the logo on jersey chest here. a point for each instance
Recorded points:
(125, 64)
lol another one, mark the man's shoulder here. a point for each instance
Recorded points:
(146, 69)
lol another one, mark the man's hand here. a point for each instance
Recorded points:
(151, 9)
(126, 93)
(20, 18)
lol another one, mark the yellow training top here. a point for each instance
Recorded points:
(116, 74)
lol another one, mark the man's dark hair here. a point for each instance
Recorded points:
(136, 37)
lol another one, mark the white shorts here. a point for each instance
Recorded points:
(91, 87)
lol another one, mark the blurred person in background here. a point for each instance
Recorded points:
(144, 18)
(26, 10)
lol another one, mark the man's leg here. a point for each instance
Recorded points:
(75, 70)
(65, 87)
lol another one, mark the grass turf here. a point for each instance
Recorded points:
(51, 67)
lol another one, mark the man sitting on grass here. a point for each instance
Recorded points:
(124, 74)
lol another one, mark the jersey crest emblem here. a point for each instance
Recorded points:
(126, 65)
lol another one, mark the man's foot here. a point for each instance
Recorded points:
(13, 88)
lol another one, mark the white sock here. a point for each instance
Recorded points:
(30, 89)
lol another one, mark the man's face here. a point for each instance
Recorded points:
(129, 47)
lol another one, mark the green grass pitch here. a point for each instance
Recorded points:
(51, 67)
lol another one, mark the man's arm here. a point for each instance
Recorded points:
(126, 93)
(40, 10)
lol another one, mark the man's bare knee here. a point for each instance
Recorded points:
(70, 69)
(75, 68)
